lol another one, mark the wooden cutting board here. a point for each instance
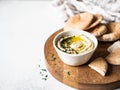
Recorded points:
(81, 77)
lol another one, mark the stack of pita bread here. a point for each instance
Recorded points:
(101, 64)
(104, 32)
(92, 23)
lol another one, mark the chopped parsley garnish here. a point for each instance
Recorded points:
(53, 57)
(68, 73)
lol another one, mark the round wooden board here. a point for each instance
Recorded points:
(81, 77)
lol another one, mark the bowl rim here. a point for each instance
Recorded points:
(82, 32)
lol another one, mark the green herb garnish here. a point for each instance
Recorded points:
(38, 65)
(53, 57)
(44, 78)
(44, 70)
(68, 73)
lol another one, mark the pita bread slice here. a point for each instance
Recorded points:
(97, 19)
(79, 21)
(114, 46)
(114, 57)
(99, 65)
(98, 30)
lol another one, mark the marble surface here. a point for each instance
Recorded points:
(24, 27)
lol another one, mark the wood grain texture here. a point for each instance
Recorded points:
(81, 77)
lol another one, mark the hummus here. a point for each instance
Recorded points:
(75, 44)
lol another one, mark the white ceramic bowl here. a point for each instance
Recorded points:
(75, 59)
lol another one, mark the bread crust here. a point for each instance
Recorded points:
(79, 21)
